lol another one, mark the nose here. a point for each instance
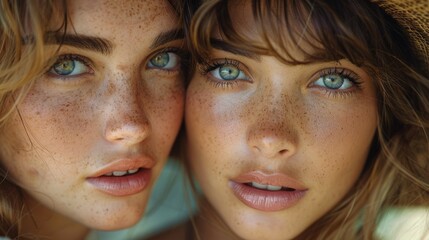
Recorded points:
(127, 122)
(272, 130)
(271, 140)
(127, 128)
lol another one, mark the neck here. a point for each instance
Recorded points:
(42, 222)
(210, 226)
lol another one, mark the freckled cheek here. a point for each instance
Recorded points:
(203, 119)
(199, 126)
(340, 141)
(26, 167)
(211, 134)
(213, 115)
(58, 124)
(166, 109)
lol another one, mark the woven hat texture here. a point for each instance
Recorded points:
(413, 16)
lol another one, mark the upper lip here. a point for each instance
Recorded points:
(124, 164)
(274, 179)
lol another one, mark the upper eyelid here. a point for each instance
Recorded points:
(64, 54)
(81, 58)
(182, 53)
(208, 66)
(60, 57)
(335, 70)
(352, 76)
(89, 68)
(342, 71)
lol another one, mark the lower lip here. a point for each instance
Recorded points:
(266, 200)
(122, 186)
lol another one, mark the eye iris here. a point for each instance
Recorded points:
(64, 67)
(160, 60)
(229, 72)
(333, 81)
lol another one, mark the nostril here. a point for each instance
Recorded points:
(283, 151)
(128, 133)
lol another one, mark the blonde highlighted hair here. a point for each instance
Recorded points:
(23, 27)
(397, 168)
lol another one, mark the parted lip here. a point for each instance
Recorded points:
(125, 164)
(275, 179)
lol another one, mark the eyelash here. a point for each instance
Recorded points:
(85, 61)
(183, 58)
(343, 73)
(74, 57)
(206, 67)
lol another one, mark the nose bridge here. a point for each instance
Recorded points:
(126, 121)
(273, 133)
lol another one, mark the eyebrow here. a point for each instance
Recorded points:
(166, 37)
(92, 43)
(224, 46)
(103, 45)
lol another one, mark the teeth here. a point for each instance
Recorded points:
(274, 188)
(258, 185)
(266, 187)
(121, 173)
(133, 171)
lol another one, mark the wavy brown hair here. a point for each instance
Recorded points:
(23, 27)
(397, 168)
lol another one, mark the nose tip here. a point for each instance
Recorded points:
(271, 147)
(128, 130)
(277, 141)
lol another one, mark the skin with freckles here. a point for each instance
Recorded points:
(312, 122)
(93, 107)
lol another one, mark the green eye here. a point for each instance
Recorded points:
(161, 60)
(70, 66)
(64, 67)
(229, 72)
(333, 81)
(336, 79)
(165, 61)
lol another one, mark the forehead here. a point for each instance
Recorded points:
(101, 15)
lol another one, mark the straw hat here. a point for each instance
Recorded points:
(413, 16)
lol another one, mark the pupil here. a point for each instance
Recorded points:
(64, 67)
(333, 81)
(229, 72)
(160, 60)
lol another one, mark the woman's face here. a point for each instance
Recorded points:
(275, 146)
(93, 133)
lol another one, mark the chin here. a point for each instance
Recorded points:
(117, 220)
(115, 225)
(273, 231)
(268, 235)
